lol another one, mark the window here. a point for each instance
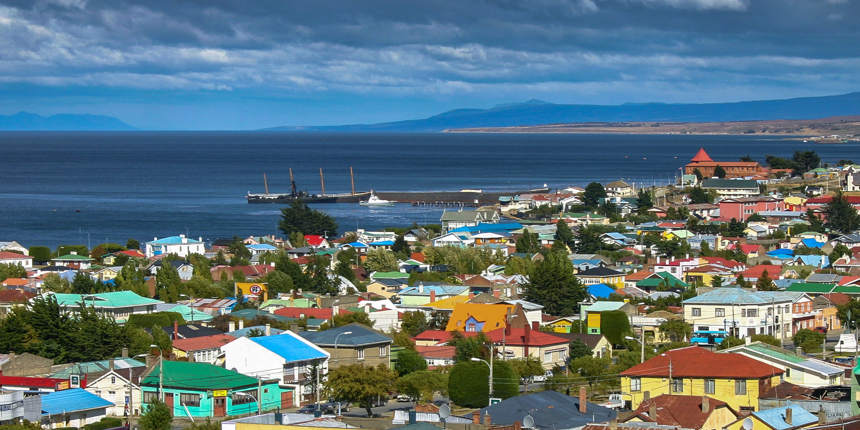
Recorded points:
(190, 399)
(677, 385)
(547, 357)
(383, 351)
(149, 396)
(710, 386)
(111, 396)
(360, 353)
(752, 313)
(787, 373)
(740, 387)
(720, 312)
(113, 379)
(243, 397)
(697, 312)
(635, 384)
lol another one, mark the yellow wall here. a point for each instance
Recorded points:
(724, 390)
(562, 326)
(594, 320)
(380, 288)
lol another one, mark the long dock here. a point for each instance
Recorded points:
(447, 198)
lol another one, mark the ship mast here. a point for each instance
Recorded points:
(352, 179)
(293, 193)
(266, 184)
(322, 181)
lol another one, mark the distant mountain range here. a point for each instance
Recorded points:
(537, 112)
(25, 121)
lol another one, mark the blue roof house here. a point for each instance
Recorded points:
(600, 291)
(287, 357)
(781, 419)
(75, 407)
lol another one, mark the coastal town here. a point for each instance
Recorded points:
(728, 299)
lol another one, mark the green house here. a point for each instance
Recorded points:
(206, 390)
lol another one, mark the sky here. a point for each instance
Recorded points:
(243, 65)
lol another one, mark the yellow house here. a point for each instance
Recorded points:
(602, 275)
(736, 380)
(704, 275)
(383, 290)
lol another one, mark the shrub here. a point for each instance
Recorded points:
(468, 384)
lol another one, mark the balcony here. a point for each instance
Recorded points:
(297, 378)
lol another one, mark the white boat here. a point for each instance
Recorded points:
(373, 200)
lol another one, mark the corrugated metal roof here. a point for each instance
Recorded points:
(741, 296)
(75, 399)
(290, 346)
(775, 418)
(361, 335)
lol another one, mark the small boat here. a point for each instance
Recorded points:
(374, 200)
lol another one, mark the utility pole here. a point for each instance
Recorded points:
(259, 394)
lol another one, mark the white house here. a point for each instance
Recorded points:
(288, 357)
(14, 258)
(743, 313)
(13, 246)
(179, 245)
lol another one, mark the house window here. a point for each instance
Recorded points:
(360, 353)
(241, 398)
(710, 386)
(547, 357)
(113, 379)
(740, 387)
(383, 351)
(190, 399)
(635, 384)
(720, 312)
(471, 327)
(150, 396)
(677, 385)
(752, 313)
(111, 396)
(697, 312)
(787, 373)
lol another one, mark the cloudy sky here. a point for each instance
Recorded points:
(222, 64)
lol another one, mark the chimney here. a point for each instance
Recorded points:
(799, 351)
(175, 330)
(518, 425)
(748, 340)
(497, 294)
(421, 291)
(582, 401)
(646, 396)
(125, 352)
(652, 411)
(536, 325)
(231, 326)
(822, 416)
(613, 424)
(527, 335)
(788, 416)
(507, 330)
(706, 404)
(487, 421)
(433, 296)
(268, 329)
(658, 260)
(241, 323)
(687, 257)
(110, 364)
(74, 253)
(673, 258)
(476, 417)
(294, 327)
(471, 296)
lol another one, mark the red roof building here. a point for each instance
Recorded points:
(695, 362)
(202, 349)
(689, 412)
(734, 169)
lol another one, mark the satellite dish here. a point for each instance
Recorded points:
(747, 424)
(444, 411)
(528, 421)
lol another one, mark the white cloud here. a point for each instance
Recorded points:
(733, 5)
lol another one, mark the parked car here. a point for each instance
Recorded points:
(308, 409)
(344, 405)
(404, 398)
(541, 378)
(821, 329)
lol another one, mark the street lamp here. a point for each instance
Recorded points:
(160, 372)
(670, 372)
(244, 394)
(491, 374)
(336, 359)
(641, 342)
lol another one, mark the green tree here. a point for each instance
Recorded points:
(720, 172)
(815, 223)
(839, 251)
(644, 199)
(591, 368)
(766, 338)
(615, 325)
(279, 282)
(438, 320)
(14, 331)
(730, 342)
(168, 285)
(842, 311)
(409, 361)
(468, 347)
(593, 194)
(734, 228)
(809, 340)
(528, 243)
(413, 323)
(553, 285)
(676, 330)
(527, 368)
(297, 240)
(346, 319)
(156, 417)
(563, 233)
(401, 247)
(53, 282)
(132, 244)
(83, 284)
(518, 266)
(360, 384)
(423, 384)
(778, 163)
(698, 174)
(841, 216)
(579, 349)
(764, 283)
(717, 281)
(468, 384)
(380, 260)
(741, 281)
(40, 253)
(804, 161)
(12, 271)
(505, 380)
(298, 217)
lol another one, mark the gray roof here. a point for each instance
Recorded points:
(731, 295)
(551, 410)
(824, 278)
(361, 335)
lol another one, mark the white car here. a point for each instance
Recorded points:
(541, 378)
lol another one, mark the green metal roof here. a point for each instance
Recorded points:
(809, 287)
(198, 376)
(72, 257)
(116, 299)
(389, 275)
(776, 353)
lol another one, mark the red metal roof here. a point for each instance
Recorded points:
(29, 381)
(679, 411)
(695, 362)
(15, 296)
(701, 157)
(319, 313)
(436, 351)
(525, 336)
(6, 255)
(203, 342)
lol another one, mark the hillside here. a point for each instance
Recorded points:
(25, 121)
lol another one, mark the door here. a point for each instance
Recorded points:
(287, 399)
(220, 407)
(168, 400)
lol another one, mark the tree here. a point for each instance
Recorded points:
(12, 271)
(168, 285)
(360, 384)
(734, 228)
(720, 172)
(297, 240)
(588, 240)
(804, 161)
(468, 384)
(563, 233)
(468, 347)
(578, 349)
(841, 216)
(401, 247)
(40, 253)
(83, 284)
(423, 384)
(528, 243)
(698, 195)
(526, 368)
(778, 163)
(380, 260)
(730, 342)
(766, 338)
(698, 174)
(553, 285)
(676, 330)
(156, 417)
(346, 319)
(644, 199)
(593, 194)
(842, 313)
(839, 251)
(741, 281)
(413, 323)
(614, 325)
(591, 368)
(298, 217)
(409, 361)
(809, 340)
(132, 244)
(438, 320)
(764, 283)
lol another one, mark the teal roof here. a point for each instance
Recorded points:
(186, 312)
(116, 299)
(97, 367)
(198, 376)
(174, 240)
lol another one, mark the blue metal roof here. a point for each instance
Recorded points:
(488, 228)
(262, 246)
(812, 243)
(382, 243)
(289, 347)
(775, 418)
(439, 289)
(75, 399)
(173, 240)
(360, 335)
(600, 290)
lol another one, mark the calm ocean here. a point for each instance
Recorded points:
(57, 187)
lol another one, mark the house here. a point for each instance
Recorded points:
(437, 355)
(740, 208)
(15, 259)
(183, 268)
(72, 408)
(549, 409)
(732, 378)
(118, 305)
(287, 357)
(661, 281)
(201, 349)
(180, 246)
(849, 178)
(732, 188)
(387, 288)
(453, 239)
(808, 372)
(475, 317)
(734, 169)
(352, 344)
(527, 341)
(467, 218)
(110, 259)
(742, 312)
(317, 241)
(602, 275)
(14, 247)
(687, 412)
(782, 418)
(10, 299)
(850, 240)
(74, 261)
(423, 294)
(116, 380)
(206, 390)
(618, 189)
(834, 399)
(416, 234)
(261, 249)
(600, 346)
